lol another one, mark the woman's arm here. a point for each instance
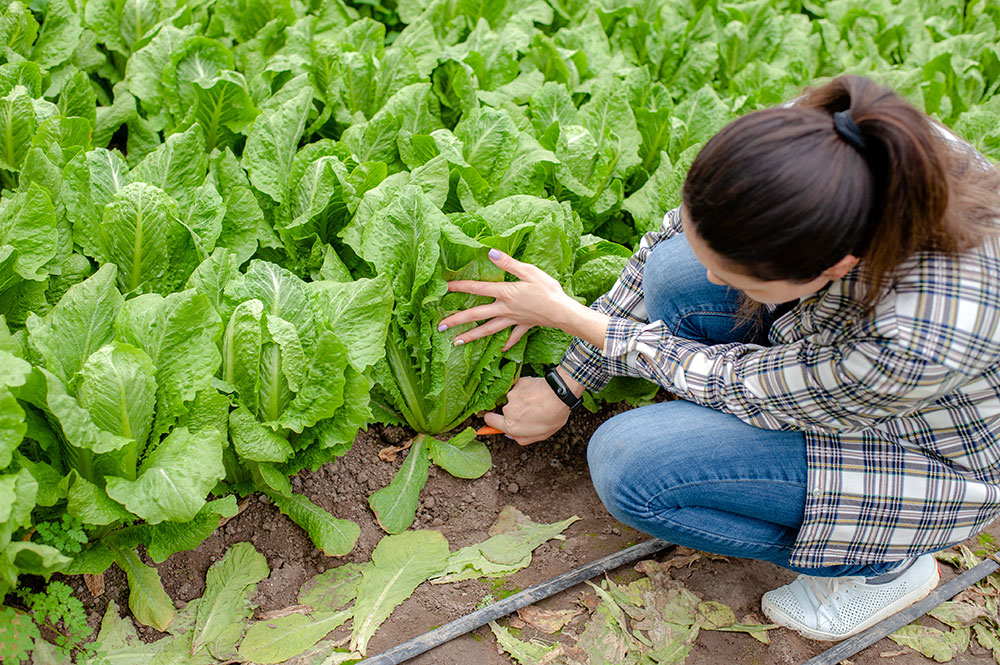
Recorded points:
(847, 386)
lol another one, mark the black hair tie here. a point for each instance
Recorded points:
(848, 130)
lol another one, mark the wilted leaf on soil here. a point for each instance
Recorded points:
(937, 644)
(333, 535)
(396, 504)
(325, 652)
(715, 615)
(525, 653)
(957, 614)
(614, 610)
(547, 621)
(565, 654)
(120, 642)
(229, 584)
(177, 651)
(512, 539)
(284, 611)
(277, 640)
(95, 584)
(681, 561)
(338, 657)
(751, 625)
(951, 557)
(605, 642)
(988, 639)
(399, 564)
(676, 647)
(150, 604)
(388, 454)
(333, 588)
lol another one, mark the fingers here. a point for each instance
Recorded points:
(513, 266)
(477, 313)
(495, 420)
(488, 328)
(500, 422)
(476, 288)
(516, 334)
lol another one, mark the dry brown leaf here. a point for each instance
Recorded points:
(547, 621)
(564, 654)
(515, 622)
(970, 595)
(240, 507)
(893, 654)
(284, 611)
(388, 454)
(680, 561)
(587, 601)
(715, 557)
(95, 584)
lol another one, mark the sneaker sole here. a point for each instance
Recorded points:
(914, 596)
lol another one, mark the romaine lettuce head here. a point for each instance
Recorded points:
(295, 358)
(425, 380)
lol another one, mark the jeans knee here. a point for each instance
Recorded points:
(607, 459)
(661, 287)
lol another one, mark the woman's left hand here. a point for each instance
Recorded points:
(536, 300)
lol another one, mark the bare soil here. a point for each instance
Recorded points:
(548, 481)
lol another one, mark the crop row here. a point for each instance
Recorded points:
(226, 226)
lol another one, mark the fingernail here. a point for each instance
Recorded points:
(442, 327)
(459, 342)
(494, 254)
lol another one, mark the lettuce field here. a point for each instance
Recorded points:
(225, 232)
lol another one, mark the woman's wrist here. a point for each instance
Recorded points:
(580, 321)
(574, 386)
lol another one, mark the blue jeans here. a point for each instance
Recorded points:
(694, 476)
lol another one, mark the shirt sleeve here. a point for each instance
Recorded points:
(803, 385)
(585, 362)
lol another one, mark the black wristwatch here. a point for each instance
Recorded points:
(560, 388)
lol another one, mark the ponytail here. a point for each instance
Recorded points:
(849, 168)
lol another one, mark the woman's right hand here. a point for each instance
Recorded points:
(533, 411)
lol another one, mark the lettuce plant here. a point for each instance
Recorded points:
(425, 380)
(295, 358)
(111, 418)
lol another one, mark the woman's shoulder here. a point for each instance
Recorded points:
(946, 306)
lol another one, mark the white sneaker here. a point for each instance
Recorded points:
(832, 608)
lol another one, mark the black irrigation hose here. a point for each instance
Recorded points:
(458, 627)
(950, 589)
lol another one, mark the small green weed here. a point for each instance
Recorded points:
(55, 609)
(66, 535)
(988, 545)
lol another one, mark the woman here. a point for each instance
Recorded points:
(851, 434)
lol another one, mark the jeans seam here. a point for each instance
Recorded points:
(681, 318)
(651, 514)
(716, 537)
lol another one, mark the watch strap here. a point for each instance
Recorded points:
(561, 390)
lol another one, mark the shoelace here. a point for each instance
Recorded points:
(826, 591)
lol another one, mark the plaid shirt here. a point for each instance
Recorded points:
(900, 407)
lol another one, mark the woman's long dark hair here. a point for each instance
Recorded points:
(780, 195)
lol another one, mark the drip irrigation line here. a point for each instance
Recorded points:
(458, 627)
(950, 589)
